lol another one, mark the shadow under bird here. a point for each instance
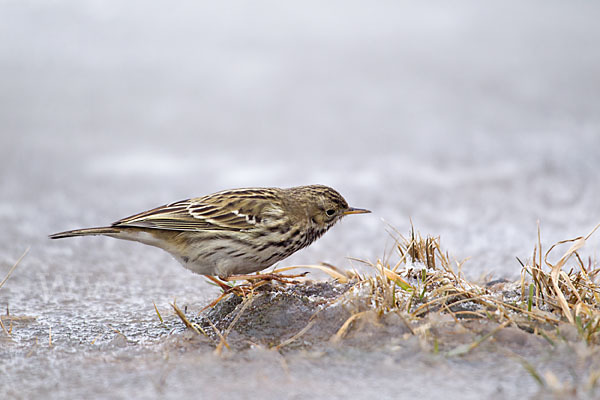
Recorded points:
(232, 232)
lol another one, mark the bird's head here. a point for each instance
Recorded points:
(324, 206)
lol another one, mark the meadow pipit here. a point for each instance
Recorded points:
(236, 231)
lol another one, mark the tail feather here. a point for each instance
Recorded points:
(85, 232)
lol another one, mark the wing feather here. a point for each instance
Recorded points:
(209, 213)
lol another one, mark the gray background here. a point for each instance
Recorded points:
(473, 119)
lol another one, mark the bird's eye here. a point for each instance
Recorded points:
(330, 212)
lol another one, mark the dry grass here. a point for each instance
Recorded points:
(574, 295)
(425, 281)
(10, 318)
(12, 269)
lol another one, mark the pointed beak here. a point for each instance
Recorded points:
(352, 210)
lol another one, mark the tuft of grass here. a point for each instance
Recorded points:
(425, 282)
(573, 296)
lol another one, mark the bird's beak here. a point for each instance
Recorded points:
(352, 210)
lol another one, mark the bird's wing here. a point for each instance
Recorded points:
(207, 213)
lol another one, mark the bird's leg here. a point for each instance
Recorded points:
(254, 282)
(264, 277)
(224, 286)
(238, 290)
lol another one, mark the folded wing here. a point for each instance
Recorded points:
(193, 215)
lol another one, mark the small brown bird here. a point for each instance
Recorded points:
(236, 231)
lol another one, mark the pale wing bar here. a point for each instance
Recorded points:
(189, 215)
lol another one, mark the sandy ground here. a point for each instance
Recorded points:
(473, 120)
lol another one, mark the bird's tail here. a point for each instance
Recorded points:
(86, 232)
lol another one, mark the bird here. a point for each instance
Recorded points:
(233, 232)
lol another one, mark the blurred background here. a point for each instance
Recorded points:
(472, 119)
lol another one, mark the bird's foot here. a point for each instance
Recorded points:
(239, 290)
(244, 289)
(219, 282)
(288, 279)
